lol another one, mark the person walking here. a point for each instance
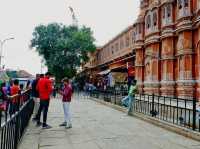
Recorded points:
(44, 88)
(35, 95)
(129, 100)
(66, 100)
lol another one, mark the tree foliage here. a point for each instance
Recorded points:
(63, 48)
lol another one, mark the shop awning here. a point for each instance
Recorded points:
(104, 72)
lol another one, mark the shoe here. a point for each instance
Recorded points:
(34, 119)
(63, 124)
(38, 124)
(69, 126)
(45, 126)
(130, 113)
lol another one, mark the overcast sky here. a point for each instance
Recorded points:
(19, 17)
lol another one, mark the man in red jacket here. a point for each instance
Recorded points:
(44, 87)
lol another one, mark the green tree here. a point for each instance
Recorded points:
(63, 48)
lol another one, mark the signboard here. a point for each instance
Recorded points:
(131, 70)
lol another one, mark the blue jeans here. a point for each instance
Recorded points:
(131, 103)
(125, 101)
(128, 102)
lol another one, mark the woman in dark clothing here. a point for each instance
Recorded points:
(3, 97)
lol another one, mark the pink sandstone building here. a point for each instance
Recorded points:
(162, 48)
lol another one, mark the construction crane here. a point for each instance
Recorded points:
(74, 19)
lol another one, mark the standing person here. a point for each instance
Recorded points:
(21, 86)
(129, 100)
(14, 91)
(28, 85)
(10, 84)
(54, 89)
(66, 99)
(8, 90)
(3, 97)
(44, 88)
(35, 95)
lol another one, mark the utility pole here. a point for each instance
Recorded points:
(74, 19)
(2, 42)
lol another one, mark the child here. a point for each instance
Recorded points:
(67, 94)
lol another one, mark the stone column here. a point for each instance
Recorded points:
(198, 66)
(167, 67)
(185, 82)
(139, 68)
(152, 69)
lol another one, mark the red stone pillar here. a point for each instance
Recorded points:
(185, 82)
(152, 69)
(139, 68)
(167, 67)
(198, 64)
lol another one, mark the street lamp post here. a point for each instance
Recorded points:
(42, 61)
(1, 50)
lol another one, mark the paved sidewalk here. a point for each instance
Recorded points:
(96, 126)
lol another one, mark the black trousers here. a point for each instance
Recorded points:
(44, 106)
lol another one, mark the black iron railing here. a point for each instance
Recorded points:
(14, 119)
(113, 96)
(179, 111)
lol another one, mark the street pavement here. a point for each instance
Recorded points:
(96, 126)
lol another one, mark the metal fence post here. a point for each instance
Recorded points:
(1, 117)
(194, 114)
(16, 132)
(115, 96)
(152, 110)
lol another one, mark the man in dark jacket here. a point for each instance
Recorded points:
(44, 88)
(35, 95)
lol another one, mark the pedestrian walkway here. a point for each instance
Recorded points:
(96, 126)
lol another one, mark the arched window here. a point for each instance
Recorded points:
(163, 12)
(186, 3)
(139, 28)
(148, 22)
(183, 8)
(127, 41)
(154, 18)
(112, 49)
(198, 4)
(180, 6)
(133, 36)
(169, 11)
(117, 46)
(121, 43)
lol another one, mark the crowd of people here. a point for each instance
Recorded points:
(42, 88)
(9, 95)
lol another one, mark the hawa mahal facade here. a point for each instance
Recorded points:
(162, 47)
